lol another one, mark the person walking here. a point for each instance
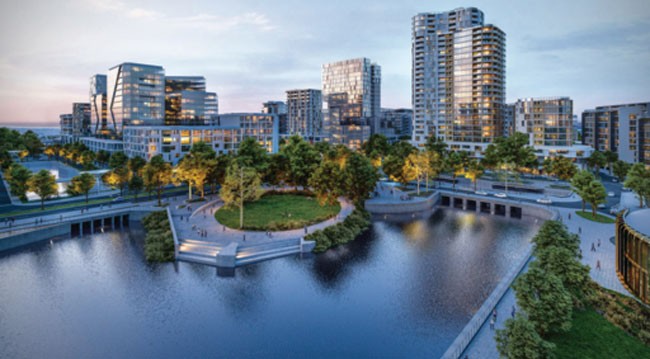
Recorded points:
(579, 230)
(598, 242)
(593, 247)
(598, 264)
(513, 312)
(492, 323)
(569, 216)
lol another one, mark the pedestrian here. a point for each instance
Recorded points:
(494, 314)
(598, 242)
(569, 216)
(513, 312)
(598, 264)
(580, 230)
(244, 238)
(181, 218)
(306, 230)
(593, 247)
(492, 324)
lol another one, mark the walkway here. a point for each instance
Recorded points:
(484, 346)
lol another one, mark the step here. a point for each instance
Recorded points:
(199, 247)
(195, 241)
(252, 250)
(270, 245)
(258, 257)
(196, 259)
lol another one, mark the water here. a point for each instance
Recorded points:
(403, 290)
(40, 131)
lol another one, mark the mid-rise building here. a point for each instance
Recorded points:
(624, 129)
(547, 121)
(305, 113)
(509, 119)
(396, 124)
(351, 97)
(187, 103)
(80, 119)
(104, 144)
(173, 142)
(136, 95)
(278, 108)
(98, 113)
(65, 122)
(458, 79)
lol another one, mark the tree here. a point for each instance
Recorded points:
(136, 185)
(414, 168)
(50, 151)
(638, 180)
(360, 177)
(32, 143)
(376, 148)
(519, 340)
(620, 169)
(594, 194)
(118, 159)
(473, 171)
(436, 165)
(86, 159)
(326, 182)
(5, 159)
(117, 178)
(303, 160)
(18, 177)
(194, 170)
(513, 150)
(596, 161)
(278, 170)
(543, 297)
(580, 181)
(251, 154)
(157, 174)
(395, 168)
(241, 185)
(610, 159)
(135, 165)
(563, 263)
(455, 164)
(555, 234)
(102, 157)
(82, 184)
(44, 185)
(562, 168)
(436, 145)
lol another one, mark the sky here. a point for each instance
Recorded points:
(595, 51)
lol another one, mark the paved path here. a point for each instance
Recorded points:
(484, 346)
(189, 223)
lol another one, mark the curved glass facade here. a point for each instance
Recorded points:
(632, 249)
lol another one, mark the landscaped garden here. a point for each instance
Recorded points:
(279, 211)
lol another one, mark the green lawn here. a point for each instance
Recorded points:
(592, 336)
(599, 217)
(278, 212)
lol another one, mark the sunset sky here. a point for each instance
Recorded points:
(595, 51)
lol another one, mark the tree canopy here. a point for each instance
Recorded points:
(43, 183)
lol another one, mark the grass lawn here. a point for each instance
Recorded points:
(560, 186)
(599, 217)
(278, 212)
(592, 336)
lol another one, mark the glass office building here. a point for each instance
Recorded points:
(458, 79)
(188, 103)
(633, 252)
(136, 95)
(98, 109)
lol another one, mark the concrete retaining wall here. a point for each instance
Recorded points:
(402, 207)
(24, 239)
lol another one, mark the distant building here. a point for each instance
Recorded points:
(305, 113)
(136, 95)
(458, 74)
(352, 97)
(187, 103)
(396, 123)
(96, 144)
(65, 122)
(173, 142)
(509, 120)
(98, 112)
(278, 108)
(624, 129)
(547, 121)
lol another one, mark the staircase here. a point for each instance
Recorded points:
(203, 252)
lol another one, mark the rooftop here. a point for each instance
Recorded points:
(639, 220)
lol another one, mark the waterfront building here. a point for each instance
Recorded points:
(65, 122)
(173, 142)
(396, 123)
(624, 129)
(135, 95)
(547, 121)
(351, 97)
(98, 113)
(633, 252)
(97, 143)
(278, 108)
(458, 79)
(305, 113)
(187, 103)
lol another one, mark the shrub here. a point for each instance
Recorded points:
(159, 242)
(353, 225)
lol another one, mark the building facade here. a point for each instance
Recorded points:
(509, 120)
(396, 123)
(305, 113)
(96, 144)
(633, 252)
(98, 107)
(173, 142)
(547, 121)
(187, 103)
(624, 129)
(135, 95)
(351, 97)
(278, 108)
(65, 122)
(458, 79)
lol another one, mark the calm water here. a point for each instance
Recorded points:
(403, 290)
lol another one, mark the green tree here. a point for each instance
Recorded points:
(43, 183)
(415, 168)
(376, 148)
(32, 143)
(118, 159)
(82, 184)
(136, 185)
(596, 161)
(543, 297)
(217, 172)
(563, 263)
(193, 170)
(303, 160)
(436, 145)
(156, 175)
(326, 182)
(455, 165)
(251, 154)
(135, 165)
(594, 194)
(18, 177)
(360, 177)
(620, 169)
(102, 157)
(638, 180)
(5, 159)
(513, 150)
(473, 171)
(555, 234)
(241, 185)
(86, 159)
(436, 165)
(562, 168)
(278, 170)
(519, 340)
(610, 159)
(580, 182)
(50, 152)
(394, 167)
